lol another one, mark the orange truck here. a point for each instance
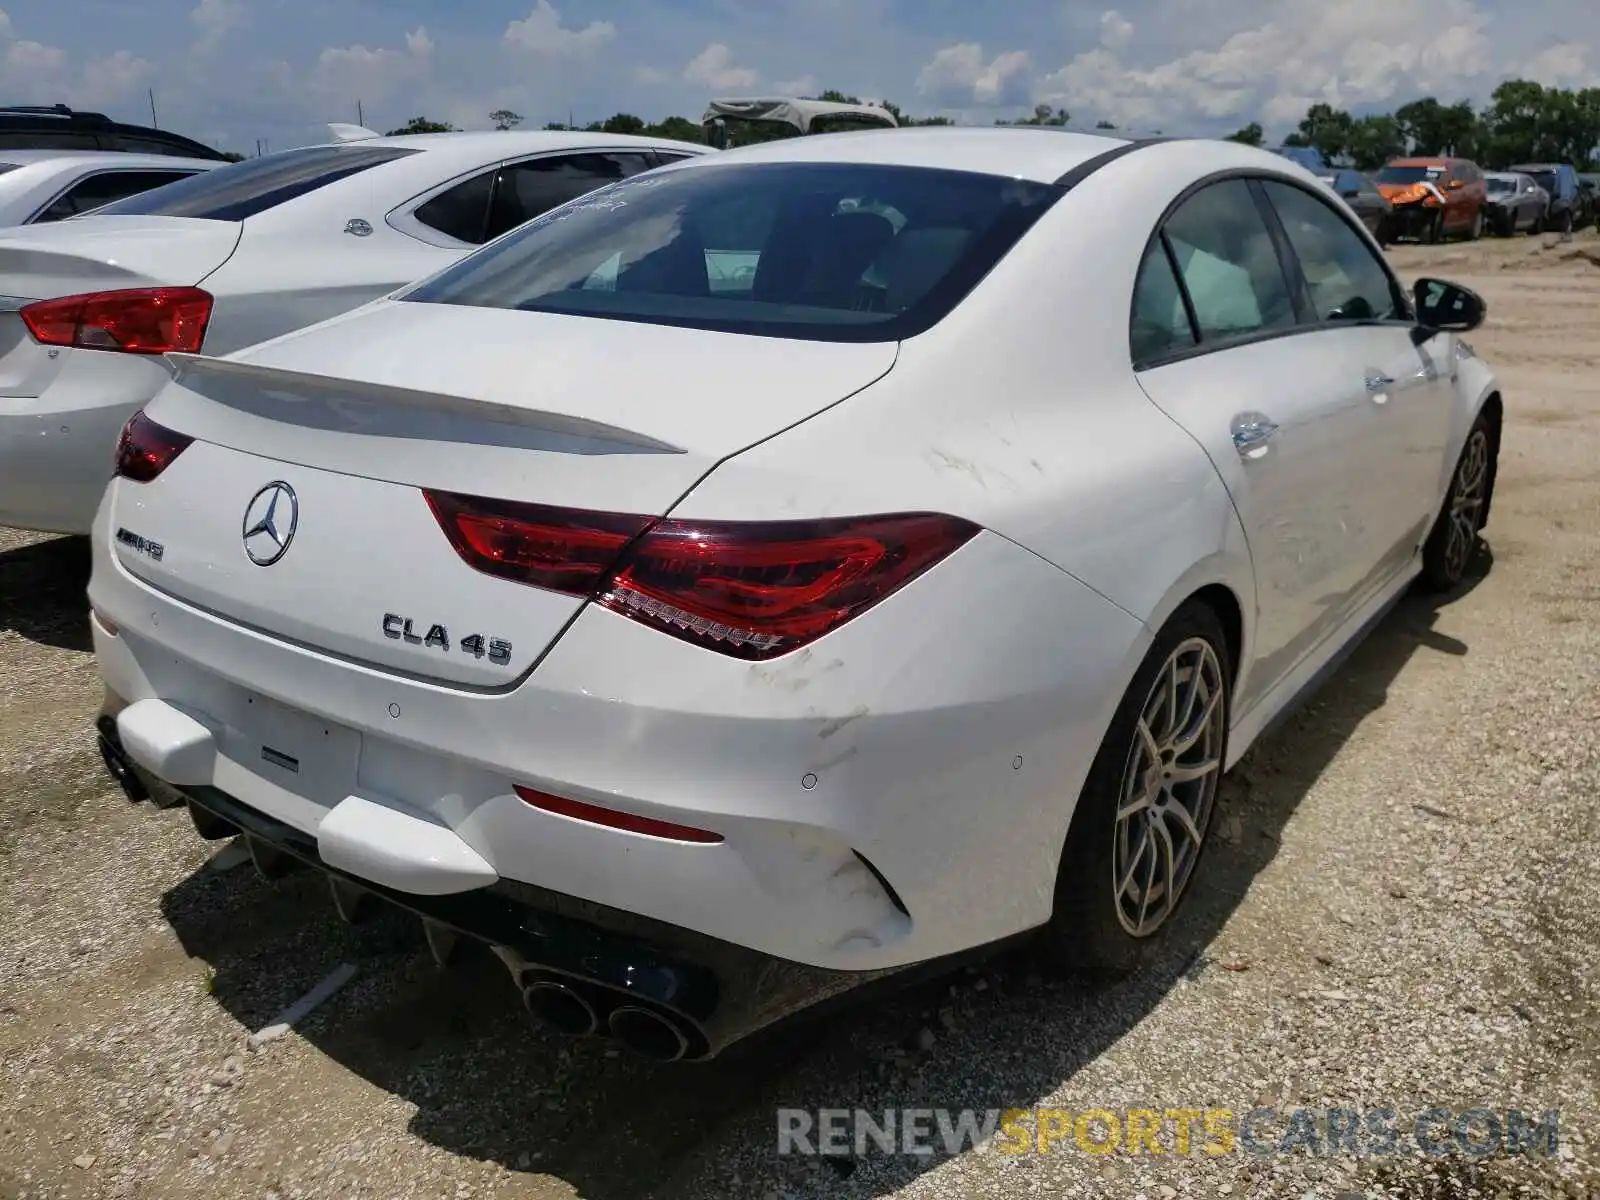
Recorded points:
(1435, 198)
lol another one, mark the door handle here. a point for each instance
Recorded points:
(1251, 432)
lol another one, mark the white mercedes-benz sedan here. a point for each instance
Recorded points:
(791, 565)
(89, 306)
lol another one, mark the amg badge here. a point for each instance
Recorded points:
(142, 544)
(404, 629)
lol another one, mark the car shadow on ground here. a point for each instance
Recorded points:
(42, 592)
(486, 1084)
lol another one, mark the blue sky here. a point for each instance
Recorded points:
(232, 71)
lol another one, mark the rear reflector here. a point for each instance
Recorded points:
(146, 449)
(132, 321)
(753, 590)
(630, 822)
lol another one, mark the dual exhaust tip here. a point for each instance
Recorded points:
(568, 1010)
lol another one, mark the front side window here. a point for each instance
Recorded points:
(89, 194)
(1346, 280)
(243, 189)
(841, 252)
(1228, 262)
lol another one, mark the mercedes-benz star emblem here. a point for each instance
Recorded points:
(269, 523)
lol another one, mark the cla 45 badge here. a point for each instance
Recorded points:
(403, 629)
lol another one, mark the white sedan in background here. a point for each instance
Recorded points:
(38, 187)
(238, 255)
(708, 641)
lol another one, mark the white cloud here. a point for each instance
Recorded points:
(541, 32)
(215, 19)
(958, 75)
(714, 68)
(1561, 63)
(1352, 53)
(348, 73)
(1115, 30)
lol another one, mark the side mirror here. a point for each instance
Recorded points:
(1349, 193)
(1446, 307)
(1455, 185)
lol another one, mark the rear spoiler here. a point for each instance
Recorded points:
(275, 379)
(340, 132)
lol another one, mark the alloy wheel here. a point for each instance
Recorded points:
(1466, 503)
(1169, 787)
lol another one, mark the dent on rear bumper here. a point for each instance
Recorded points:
(937, 743)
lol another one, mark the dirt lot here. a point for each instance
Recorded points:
(1401, 911)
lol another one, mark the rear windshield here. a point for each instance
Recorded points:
(1409, 174)
(822, 251)
(246, 188)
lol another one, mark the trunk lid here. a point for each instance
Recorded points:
(358, 415)
(94, 254)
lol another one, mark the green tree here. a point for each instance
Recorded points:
(1251, 135)
(1043, 114)
(1428, 127)
(422, 125)
(679, 129)
(232, 156)
(504, 118)
(625, 123)
(1326, 129)
(1374, 140)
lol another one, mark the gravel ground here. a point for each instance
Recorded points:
(1400, 912)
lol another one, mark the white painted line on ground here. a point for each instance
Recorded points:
(304, 1006)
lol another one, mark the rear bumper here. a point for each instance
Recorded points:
(714, 992)
(896, 794)
(56, 449)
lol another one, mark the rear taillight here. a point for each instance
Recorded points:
(560, 549)
(753, 590)
(146, 449)
(133, 321)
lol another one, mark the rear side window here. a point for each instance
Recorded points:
(529, 189)
(1346, 280)
(823, 251)
(1229, 264)
(1160, 320)
(243, 189)
(460, 212)
(89, 194)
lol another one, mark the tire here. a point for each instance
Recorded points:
(1435, 233)
(1098, 929)
(1453, 541)
(1538, 225)
(1476, 231)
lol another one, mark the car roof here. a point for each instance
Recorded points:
(513, 142)
(122, 159)
(1022, 152)
(1429, 160)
